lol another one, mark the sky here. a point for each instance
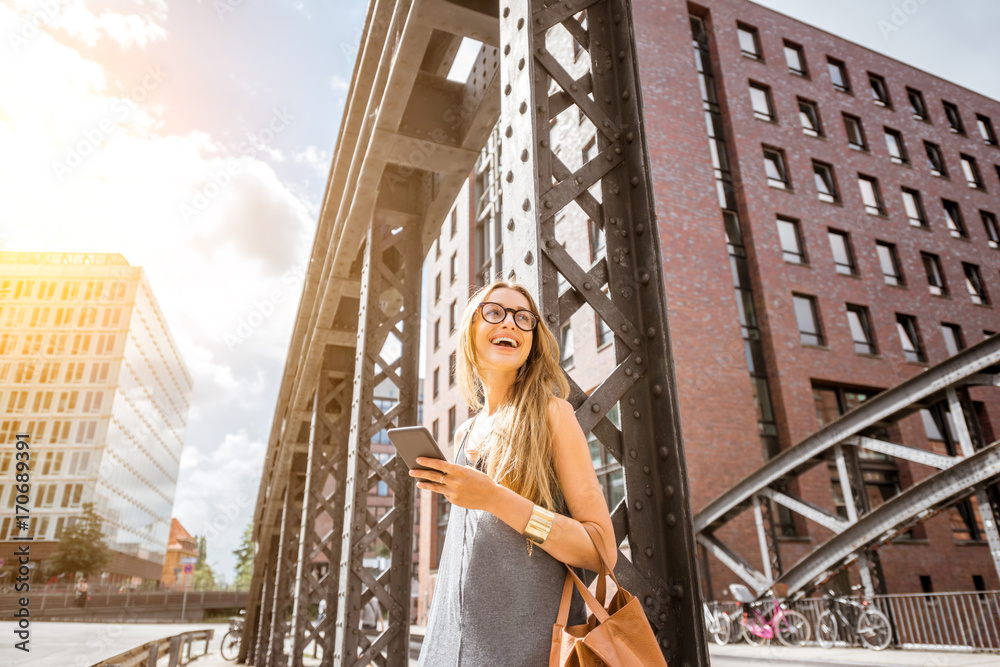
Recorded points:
(195, 138)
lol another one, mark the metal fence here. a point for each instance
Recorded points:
(968, 621)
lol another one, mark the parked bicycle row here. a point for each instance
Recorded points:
(759, 621)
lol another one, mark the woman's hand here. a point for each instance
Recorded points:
(461, 485)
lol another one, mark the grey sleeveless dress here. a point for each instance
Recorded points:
(493, 605)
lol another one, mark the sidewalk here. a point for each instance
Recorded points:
(781, 656)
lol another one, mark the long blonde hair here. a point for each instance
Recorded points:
(520, 457)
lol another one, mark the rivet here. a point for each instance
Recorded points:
(510, 225)
(649, 554)
(615, 190)
(637, 505)
(626, 328)
(631, 401)
(633, 454)
(621, 55)
(540, 109)
(548, 204)
(539, 20)
(609, 157)
(629, 137)
(657, 390)
(541, 49)
(510, 176)
(544, 143)
(551, 319)
(625, 250)
(606, 123)
(638, 360)
(520, 23)
(664, 452)
(635, 180)
(549, 243)
(645, 469)
(587, 285)
(607, 100)
(648, 601)
(507, 89)
(618, 150)
(528, 258)
(506, 49)
(625, 95)
(506, 12)
(628, 372)
(639, 229)
(520, 63)
(635, 415)
(663, 618)
(677, 591)
(650, 332)
(526, 205)
(648, 490)
(524, 109)
(578, 180)
(665, 643)
(508, 132)
(595, 407)
(574, 87)
(671, 520)
(668, 491)
(644, 277)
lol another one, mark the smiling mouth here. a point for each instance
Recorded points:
(505, 341)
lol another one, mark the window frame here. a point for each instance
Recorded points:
(953, 117)
(970, 169)
(769, 116)
(933, 151)
(954, 219)
(958, 338)
(918, 205)
(986, 131)
(877, 207)
(834, 64)
(851, 267)
(863, 315)
(937, 283)
(800, 53)
(566, 343)
(977, 292)
(754, 34)
(896, 137)
(921, 113)
(859, 142)
(896, 278)
(991, 227)
(776, 156)
(819, 169)
(907, 325)
(817, 130)
(817, 338)
(881, 98)
(792, 256)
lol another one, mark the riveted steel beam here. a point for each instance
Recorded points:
(922, 456)
(744, 570)
(537, 185)
(806, 509)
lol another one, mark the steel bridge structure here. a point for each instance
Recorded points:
(973, 471)
(408, 140)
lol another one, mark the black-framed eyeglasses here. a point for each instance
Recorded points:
(494, 313)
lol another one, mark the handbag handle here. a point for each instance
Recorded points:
(595, 533)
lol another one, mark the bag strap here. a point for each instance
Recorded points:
(596, 605)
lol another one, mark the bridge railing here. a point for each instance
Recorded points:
(149, 653)
(963, 621)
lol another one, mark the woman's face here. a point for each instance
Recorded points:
(502, 346)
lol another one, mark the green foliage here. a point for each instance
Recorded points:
(204, 577)
(81, 547)
(244, 561)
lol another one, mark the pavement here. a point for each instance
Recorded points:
(781, 656)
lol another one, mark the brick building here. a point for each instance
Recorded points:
(828, 223)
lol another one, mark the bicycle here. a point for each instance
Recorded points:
(858, 618)
(789, 626)
(230, 647)
(717, 623)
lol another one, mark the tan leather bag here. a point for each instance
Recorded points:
(618, 636)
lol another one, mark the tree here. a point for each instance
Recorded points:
(203, 578)
(244, 561)
(81, 546)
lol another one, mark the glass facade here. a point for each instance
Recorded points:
(91, 372)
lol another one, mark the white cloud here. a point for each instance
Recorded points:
(130, 23)
(339, 83)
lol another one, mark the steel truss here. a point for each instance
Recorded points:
(408, 141)
(976, 472)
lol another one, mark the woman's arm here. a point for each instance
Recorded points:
(568, 540)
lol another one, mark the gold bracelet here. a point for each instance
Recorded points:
(539, 525)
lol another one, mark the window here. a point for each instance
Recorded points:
(917, 105)
(990, 225)
(598, 241)
(954, 119)
(452, 310)
(953, 340)
(437, 333)
(566, 346)
(604, 333)
(452, 423)
(914, 208)
(437, 288)
(454, 222)
(935, 159)
(870, 195)
(436, 382)
(451, 369)
(774, 167)
(861, 329)
(897, 149)
(953, 218)
(453, 269)
(909, 338)
(826, 185)
(986, 129)
(809, 117)
(843, 254)
(791, 241)
(855, 133)
(590, 150)
(838, 75)
(880, 92)
(935, 276)
(749, 40)
(807, 317)
(760, 100)
(436, 430)
(974, 283)
(795, 58)
(971, 171)
(888, 259)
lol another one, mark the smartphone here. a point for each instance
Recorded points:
(412, 442)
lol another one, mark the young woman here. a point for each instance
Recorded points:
(521, 483)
